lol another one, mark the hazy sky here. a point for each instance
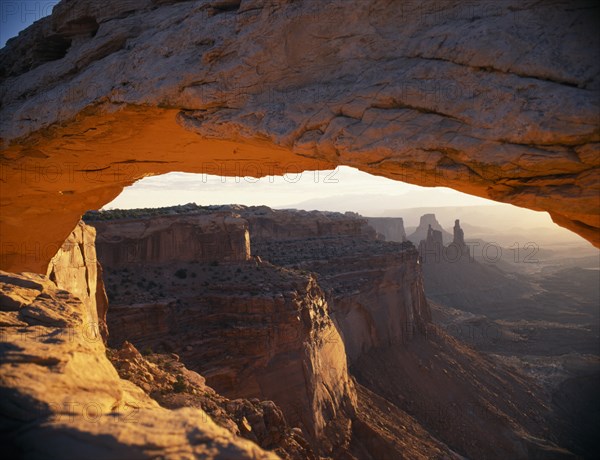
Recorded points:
(342, 184)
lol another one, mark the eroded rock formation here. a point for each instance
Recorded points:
(499, 100)
(257, 328)
(254, 329)
(233, 323)
(217, 237)
(164, 378)
(447, 269)
(60, 392)
(75, 268)
(374, 287)
(427, 223)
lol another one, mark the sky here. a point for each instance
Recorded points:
(342, 184)
(343, 189)
(348, 189)
(16, 15)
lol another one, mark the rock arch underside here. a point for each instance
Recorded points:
(495, 99)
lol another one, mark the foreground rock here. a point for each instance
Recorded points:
(503, 98)
(168, 381)
(62, 397)
(75, 268)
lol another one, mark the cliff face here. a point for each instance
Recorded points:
(165, 378)
(374, 288)
(274, 225)
(254, 329)
(473, 80)
(161, 240)
(377, 301)
(391, 228)
(251, 329)
(75, 268)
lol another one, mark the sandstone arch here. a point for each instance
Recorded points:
(496, 99)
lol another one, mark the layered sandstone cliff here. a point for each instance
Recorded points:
(61, 396)
(269, 327)
(374, 287)
(251, 329)
(254, 329)
(503, 97)
(161, 240)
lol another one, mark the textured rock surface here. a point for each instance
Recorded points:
(172, 385)
(251, 329)
(61, 395)
(162, 240)
(374, 288)
(495, 99)
(75, 268)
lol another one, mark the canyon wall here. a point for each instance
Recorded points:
(391, 228)
(270, 224)
(254, 329)
(322, 299)
(503, 98)
(375, 288)
(161, 240)
(378, 301)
